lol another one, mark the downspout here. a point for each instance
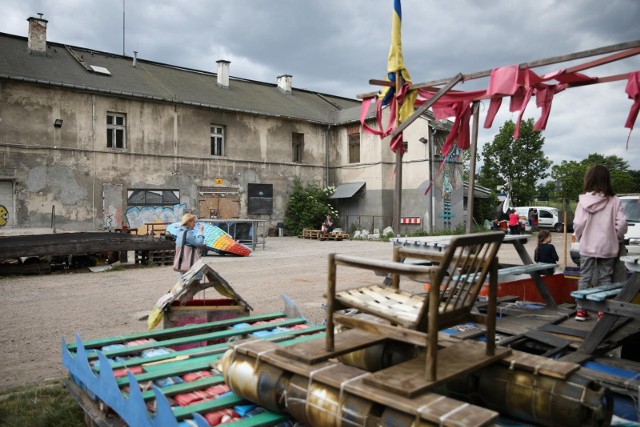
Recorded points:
(325, 136)
(93, 179)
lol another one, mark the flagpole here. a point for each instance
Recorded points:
(397, 191)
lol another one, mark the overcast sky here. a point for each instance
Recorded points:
(336, 46)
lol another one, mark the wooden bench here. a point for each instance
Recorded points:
(598, 293)
(514, 270)
(522, 269)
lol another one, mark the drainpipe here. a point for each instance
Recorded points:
(325, 136)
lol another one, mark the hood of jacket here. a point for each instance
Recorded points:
(593, 202)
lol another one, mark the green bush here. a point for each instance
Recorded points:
(307, 207)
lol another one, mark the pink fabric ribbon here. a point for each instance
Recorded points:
(633, 90)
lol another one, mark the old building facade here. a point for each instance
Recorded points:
(93, 140)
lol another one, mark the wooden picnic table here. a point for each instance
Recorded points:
(439, 243)
(615, 301)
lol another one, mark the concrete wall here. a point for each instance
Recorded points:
(377, 169)
(168, 147)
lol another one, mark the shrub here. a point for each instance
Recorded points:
(307, 207)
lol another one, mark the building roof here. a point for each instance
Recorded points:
(71, 67)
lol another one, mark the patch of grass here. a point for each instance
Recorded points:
(46, 405)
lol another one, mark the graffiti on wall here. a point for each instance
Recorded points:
(448, 183)
(138, 216)
(4, 219)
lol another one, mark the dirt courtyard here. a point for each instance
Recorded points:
(36, 312)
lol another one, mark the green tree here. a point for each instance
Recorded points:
(518, 164)
(570, 174)
(613, 162)
(307, 207)
(547, 190)
(636, 180)
(622, 182)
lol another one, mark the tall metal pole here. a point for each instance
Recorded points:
(472, 165)
(431, 142)
(123, 27)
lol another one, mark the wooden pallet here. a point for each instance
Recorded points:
(319, 235)
(163, 257)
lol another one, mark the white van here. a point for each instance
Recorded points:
(547, 217)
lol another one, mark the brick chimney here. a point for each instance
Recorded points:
(223, 73)
(37, 41)
(284, 83)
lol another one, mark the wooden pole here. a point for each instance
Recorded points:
(542, 62)
(472, 165)
(564, 208)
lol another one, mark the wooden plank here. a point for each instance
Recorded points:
(524, 269)
(435, 408)
(608, 322)
(604, 295)
(336, 375)
(291, 365)
(377, 308)
(312, 352)
(192, 339)
(384, 329)
(531, 64)
(76, 244)
(409, 378)
(564, 330)
(178, 331)
(540, 365)
(582, 293)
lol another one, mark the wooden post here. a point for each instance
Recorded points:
(472, 165)
(564, 208)
(331, 300)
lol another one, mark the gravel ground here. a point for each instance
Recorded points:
(37, 311)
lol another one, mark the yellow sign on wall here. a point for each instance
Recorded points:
(218, 181)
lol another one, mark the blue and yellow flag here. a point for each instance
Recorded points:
(396, 62)
(395, 66)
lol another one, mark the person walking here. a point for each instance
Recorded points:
(599, 225)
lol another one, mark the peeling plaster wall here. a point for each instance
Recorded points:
(167, 147)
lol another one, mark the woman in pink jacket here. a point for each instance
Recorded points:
(599, 226)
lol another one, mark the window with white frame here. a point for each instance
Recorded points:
(217, 140)
(297, 145)
(116, 130)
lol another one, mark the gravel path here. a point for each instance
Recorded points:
(37, 311)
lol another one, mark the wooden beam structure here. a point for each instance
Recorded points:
(619, 51)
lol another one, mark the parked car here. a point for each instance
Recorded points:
(548, 217)
(631, 204)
